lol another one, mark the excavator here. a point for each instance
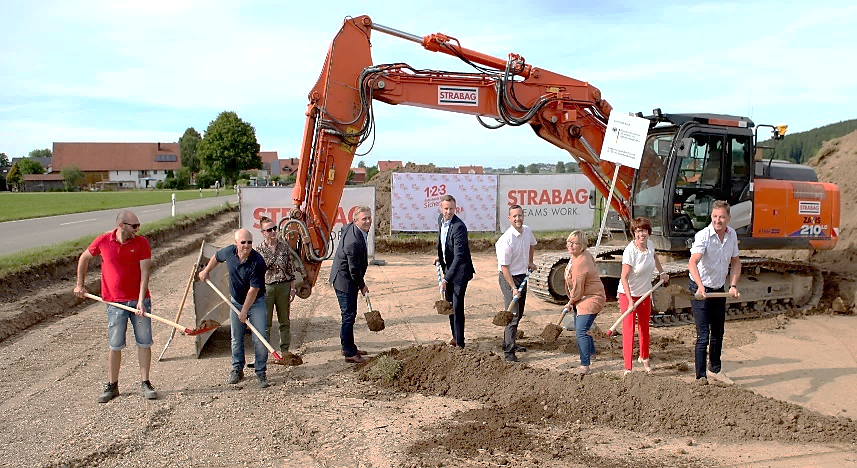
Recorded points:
(689, 161)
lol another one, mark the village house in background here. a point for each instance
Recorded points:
(119, 165)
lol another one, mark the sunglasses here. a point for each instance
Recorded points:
(270, 229)
(245, 242)
(133, 226)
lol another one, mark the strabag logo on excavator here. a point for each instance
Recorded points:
(809, 208)
(457, 96)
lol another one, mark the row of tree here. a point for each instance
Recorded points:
(800, 147)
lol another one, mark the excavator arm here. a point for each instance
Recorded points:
(564, 111)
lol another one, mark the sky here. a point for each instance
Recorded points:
(108, 71)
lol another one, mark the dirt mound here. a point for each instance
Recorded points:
(383, 182)
(835, 163)
(517, 394)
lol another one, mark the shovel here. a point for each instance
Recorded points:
(184, 298)
(278, 358)
(504, 317)
(714, 295)
(207, 325)
(633, 306)
(443, 306)
(552, 331)
(373, 317)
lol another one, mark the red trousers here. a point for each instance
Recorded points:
(642, 314)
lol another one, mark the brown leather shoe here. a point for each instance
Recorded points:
(356, 359)
(359, 351)
(452, 342)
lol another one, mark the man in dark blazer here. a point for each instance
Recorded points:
(453, 254)
(347, 276)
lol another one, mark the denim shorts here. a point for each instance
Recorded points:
(117, 325)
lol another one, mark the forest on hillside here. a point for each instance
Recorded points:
(800, 147)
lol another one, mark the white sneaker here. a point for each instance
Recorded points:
(646, 366)
(719, 377)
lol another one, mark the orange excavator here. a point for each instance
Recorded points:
(689, 161)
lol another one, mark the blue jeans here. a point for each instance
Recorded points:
(710, 317)
(348, 308)
(117, 325)
(258, 317)
(585, 343)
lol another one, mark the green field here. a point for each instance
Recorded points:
(17, 261)
(35, 205)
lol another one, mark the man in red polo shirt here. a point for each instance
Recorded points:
(126, 261)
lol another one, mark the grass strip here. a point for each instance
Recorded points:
(21, 260)
(26, 205)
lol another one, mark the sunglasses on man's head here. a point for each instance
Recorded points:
(133, 226)
(270, 229)
(245, 242)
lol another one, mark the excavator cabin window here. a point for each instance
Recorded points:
(649, 186)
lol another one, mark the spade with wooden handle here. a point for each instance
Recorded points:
(504, 317)
(181, 328)
(443, 306)
(633, 306)
(277, 357)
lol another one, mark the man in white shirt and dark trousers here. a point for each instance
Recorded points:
(515, 250)
(713, 256)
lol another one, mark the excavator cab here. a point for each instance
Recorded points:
(687, 164)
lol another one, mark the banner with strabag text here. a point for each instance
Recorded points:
(274, 202)
(415, 200)
(551, 202)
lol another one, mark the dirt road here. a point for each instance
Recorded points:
(469, 408)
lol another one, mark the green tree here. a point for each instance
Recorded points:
(44, 153)
(189, 143)
(229, 147)
(371, 172)
(4, 160)
(533, 168)
(560, 167)
(520, 169)
(30, 166)
(14, 177)
(72, 177)
(361, 164)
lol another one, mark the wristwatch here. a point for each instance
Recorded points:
(733, 286)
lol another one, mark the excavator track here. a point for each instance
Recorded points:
(768, 287)
(548, 281)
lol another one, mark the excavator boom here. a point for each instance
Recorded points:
(564, 111)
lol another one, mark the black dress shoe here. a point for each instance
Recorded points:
(511, 357)
(519, 349)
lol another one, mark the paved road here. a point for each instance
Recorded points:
(27, 233)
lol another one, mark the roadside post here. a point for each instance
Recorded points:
(174, 205)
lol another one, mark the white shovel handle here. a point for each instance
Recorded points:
(634, 306)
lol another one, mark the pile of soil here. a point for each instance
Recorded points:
(516, 396)
(835, 163)
(383, 182)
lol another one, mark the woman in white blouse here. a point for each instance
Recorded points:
(639, 262)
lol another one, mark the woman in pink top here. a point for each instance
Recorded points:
(585, 295)
(639, 262)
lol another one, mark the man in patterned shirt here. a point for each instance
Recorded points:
(278, 280)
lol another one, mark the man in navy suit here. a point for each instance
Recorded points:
(453, 254)
(347, 276)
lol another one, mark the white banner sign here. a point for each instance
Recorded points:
(623, 143)
(551, 202)
(415, 200)
(275, 202)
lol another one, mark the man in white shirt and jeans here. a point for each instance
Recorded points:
(515, 250)
(713, 256)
